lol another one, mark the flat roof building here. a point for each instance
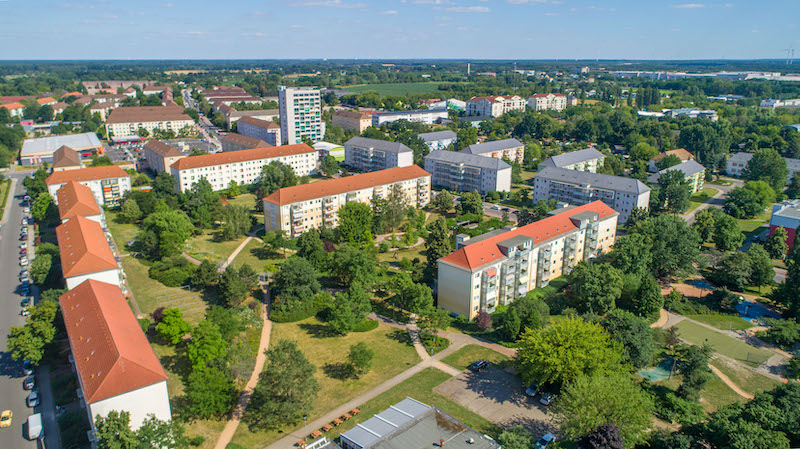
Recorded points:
(301, 114)
(232, 116)
(108, 183)
(38, 151)
(439, 140)
(426, 116)
(367, 154)
(352, 120)
(462, 172)
(588, 159)
(786, 215)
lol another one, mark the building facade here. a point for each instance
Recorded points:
(786, 215)
(85, 253)
(426, 116)
(265, 130)
(352, 120)
(298, 209)
(589, 160)
(551, 101)
(108, 184)
(462, 172)
(495, 106)
(374, 154)
(243, 166)
(301, 114)
(693, 173)
(512, 149)
(439, 140)
(484, 273)
(160, 156)
(578, 188)
(127, 121)
(232, 116)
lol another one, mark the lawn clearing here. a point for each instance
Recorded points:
(393, 355)
(747, 380)
(701, 197)
(246, 199)
(731, 347)
(254, 255)
(398, 89)
(205, 246)
(717, 395)
(723, 321)
(408, 253)
(464, 357)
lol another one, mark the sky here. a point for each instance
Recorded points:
(387, 29)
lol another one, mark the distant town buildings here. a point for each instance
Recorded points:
(737, 162)
(693, 173)
(692, 113)
(127, 121)
(300, 114)
(426, 116)
(108, 183)
(352, 120)
(265, 130)
(512, 149)
(38, 151)
(579, 187)
(462, 172)
(232, 116)
(244, 166)
(160, 156)
(298, 209)
(374, 154)
(773, 103)
(589, 160)
(439, 140)
(498, 267)
(551, 101)
(495, 106)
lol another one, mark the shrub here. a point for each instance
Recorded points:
(365, 326)
(158, 315)
(383, 247)
(145, 323)
(781, 333)
(483, 321)
(793, 368)
(197, 440)
(299, 313)
(678, 410)
(172, 271)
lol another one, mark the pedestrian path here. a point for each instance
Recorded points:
(727, 380)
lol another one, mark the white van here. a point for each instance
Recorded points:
(34, 426)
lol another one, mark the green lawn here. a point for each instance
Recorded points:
(398, 89)
(408, 253)
(728, 346)
(393, 355)
(464, 357)
(717, 395)
(205, 246)
(753, 225)
(254, 255)
(4, 189)
(723, 321)
(746, 380)
(420, 387)
(701, 197)
(245, 199)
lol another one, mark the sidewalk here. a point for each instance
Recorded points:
(47, 407)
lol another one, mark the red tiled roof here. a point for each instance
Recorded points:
(134, 114)
(682, 154)
(112, 354)
(46, 100)
(12, 106)
(486, 251)
(66, 157)
(258, 122)
(71, 94)
(162, 149)
(305, 192)
(76, 200)
(207, 160)
(83, 248)
(87, 174)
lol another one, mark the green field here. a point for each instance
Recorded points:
(746, 380)
(728, 346)
(398, 89)
(701, 197)
(723, 321)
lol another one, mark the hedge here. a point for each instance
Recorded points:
(296, 314)
(365, 326)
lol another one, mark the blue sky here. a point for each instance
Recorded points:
(479, 29)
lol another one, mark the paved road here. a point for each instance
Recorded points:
(12, 396)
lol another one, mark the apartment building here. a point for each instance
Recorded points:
(439, 140)
(680, 153)
(426, 116)
(551, 101)
(232, 116)
(85, 253)
(117, 369)
(579, 187)
(108, 184)
(242, 166)
(495, 106)
(237, 142)
(127, 121)
(310, 206)
(301, 114)
(265, 130)
(512, 149)
(76, 200)
(693, 173)
(589, 160)
(495, 269)
(737, 162)
(461, 172)
(160, 156)
(15, 109)
(65, 158)
(374, 154)
(352, 120)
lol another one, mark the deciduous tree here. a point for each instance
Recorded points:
(594, 287)
(767, 165)
(727, 234)
(349, 309)
(172, 326)
(206, 345)
(210, 393)
(355, 223)
(776, 244)
(360, 358)
(113, 431)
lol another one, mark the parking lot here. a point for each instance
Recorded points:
(499, 396)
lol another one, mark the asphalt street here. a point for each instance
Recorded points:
(12, 396)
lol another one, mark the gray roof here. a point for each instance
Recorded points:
(52, 143)
(383, 145)
(412, 424)
(615, 183)
(573, 157)
(471, 160)
(792, 164)
(495, 145)
(438, 135)
(741, 157)
(688, 168)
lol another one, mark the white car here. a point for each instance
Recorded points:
(23, 245)
(23, 262)
(33, 399)
(27, 210)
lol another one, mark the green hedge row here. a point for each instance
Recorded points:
(366, 326)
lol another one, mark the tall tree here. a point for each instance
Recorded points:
(704, 224)
(355, 223)
(727, 234)
(311, 248)
(113, 431)
(594, 287)
(27, 342)
(767, 165)
(354, 265)
(761, 272)
(673, 245)
(776, 244)
(443, 202)
(172, 326)
(349, 309)
(295, 283)
(360, 358)
(395, 207)
(634, 334)
(438, 244)
(210, 393)
(471, 203)
(605, 436)
(206, 345)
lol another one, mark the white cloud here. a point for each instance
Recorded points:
(332, 4)
(526, 2)
(689, 6)
(478, 9)
(389, 12)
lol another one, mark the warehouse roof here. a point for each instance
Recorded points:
(48, 145)
(471, 160)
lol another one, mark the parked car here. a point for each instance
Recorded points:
(495, 207)
(532, 389)
(33, 399)
(27, 367)
(23, 251)
(25, 311)
(479, 365)
(545, 441)
(29, 383)
(23, 262)
(547, 398)
(26, 301)
(27, 210)
(23, 245)
(5, 418)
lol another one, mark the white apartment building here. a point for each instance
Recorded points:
(461, 172)
(265, 130)
(495, 106)
(374, 154)
(737, 162)
(426, 116)
(588, 159)
(160, 156)
(117, 369)
(85, 253)
(580, 187)
(301, 114)
(75, 200)
(551, 101)
(498, 267)
(127, 121)
(439, 140)
(242, 166)
(108, 183)
(310, 206)
(512, 149)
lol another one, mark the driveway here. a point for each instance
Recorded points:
(498, 396)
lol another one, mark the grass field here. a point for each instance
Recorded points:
(246, 199)
(393, 355)
(399, 89)
(5, 186)
(420, 387)
(701, 197)
(723, 322)
(464, 357)
(731, 347)
(751, 227)
(409, 253)
(205, 246)
(714, 396)
(746, 380)
(254, 255)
